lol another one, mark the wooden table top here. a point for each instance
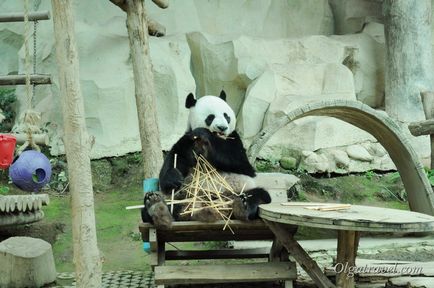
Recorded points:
(356, 218)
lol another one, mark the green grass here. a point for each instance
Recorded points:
(117, 231)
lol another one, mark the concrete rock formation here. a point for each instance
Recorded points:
(270, 56)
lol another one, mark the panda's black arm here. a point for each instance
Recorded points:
(170, 177)
(229, 155)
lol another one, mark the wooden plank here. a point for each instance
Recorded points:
(19, 16)
(217, 236)
(297, 252)
(217, 254)
(36, 79)
(199, 231)
(202, 274)
(218, 225)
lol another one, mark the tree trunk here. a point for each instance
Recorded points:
(428, 106)
(77, 147)
(407, 26)
(144, 88)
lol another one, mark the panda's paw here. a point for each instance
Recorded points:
(240, 208)
(246, 206)
(172, 180)
(157, 210)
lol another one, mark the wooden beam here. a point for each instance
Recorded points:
(36, 79)
(309, 265)
(217, 254)
(19, 16)
(421, 127)
(40, 139)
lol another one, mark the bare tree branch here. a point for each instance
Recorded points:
(163, 4)
(121, 4)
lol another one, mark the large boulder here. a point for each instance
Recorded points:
(366, 60)
(234, 62)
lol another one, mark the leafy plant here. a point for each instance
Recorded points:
(430, 174)
(59, 177)
(7, 100)
(4, 190)
(369, 174)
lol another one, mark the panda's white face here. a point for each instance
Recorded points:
(213, 113)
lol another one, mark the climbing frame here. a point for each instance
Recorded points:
(379, 125)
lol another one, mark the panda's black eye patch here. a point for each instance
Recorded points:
(227, 117)
(209, 119)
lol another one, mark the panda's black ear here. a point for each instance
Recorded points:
(223, 95)
(190, 101)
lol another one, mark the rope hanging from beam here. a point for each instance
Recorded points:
(30, 118)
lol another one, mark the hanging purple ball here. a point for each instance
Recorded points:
(30, 171)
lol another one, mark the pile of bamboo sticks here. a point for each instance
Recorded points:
(206, 189)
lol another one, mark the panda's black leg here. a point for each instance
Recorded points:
(156, 210)
(246, 206)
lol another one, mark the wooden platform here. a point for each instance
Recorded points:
(275, 265)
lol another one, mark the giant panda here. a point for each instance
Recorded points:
(211, 133)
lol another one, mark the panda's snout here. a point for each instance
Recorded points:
(222, 128)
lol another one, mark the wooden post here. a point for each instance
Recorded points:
(348, 242)
(77, 147)
(284, 236)
(428, 106)
(407, 27)
(144, 85)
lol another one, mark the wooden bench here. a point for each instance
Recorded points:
(277, 267)
(274, 267)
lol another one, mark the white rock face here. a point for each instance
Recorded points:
(270, 56)
(358, 152)
(261, 18)
(366, 60)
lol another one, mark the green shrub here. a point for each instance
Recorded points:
(7, 100)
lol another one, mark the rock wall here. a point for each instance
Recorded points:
(270, 56)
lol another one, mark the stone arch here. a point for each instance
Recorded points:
(383, 128)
